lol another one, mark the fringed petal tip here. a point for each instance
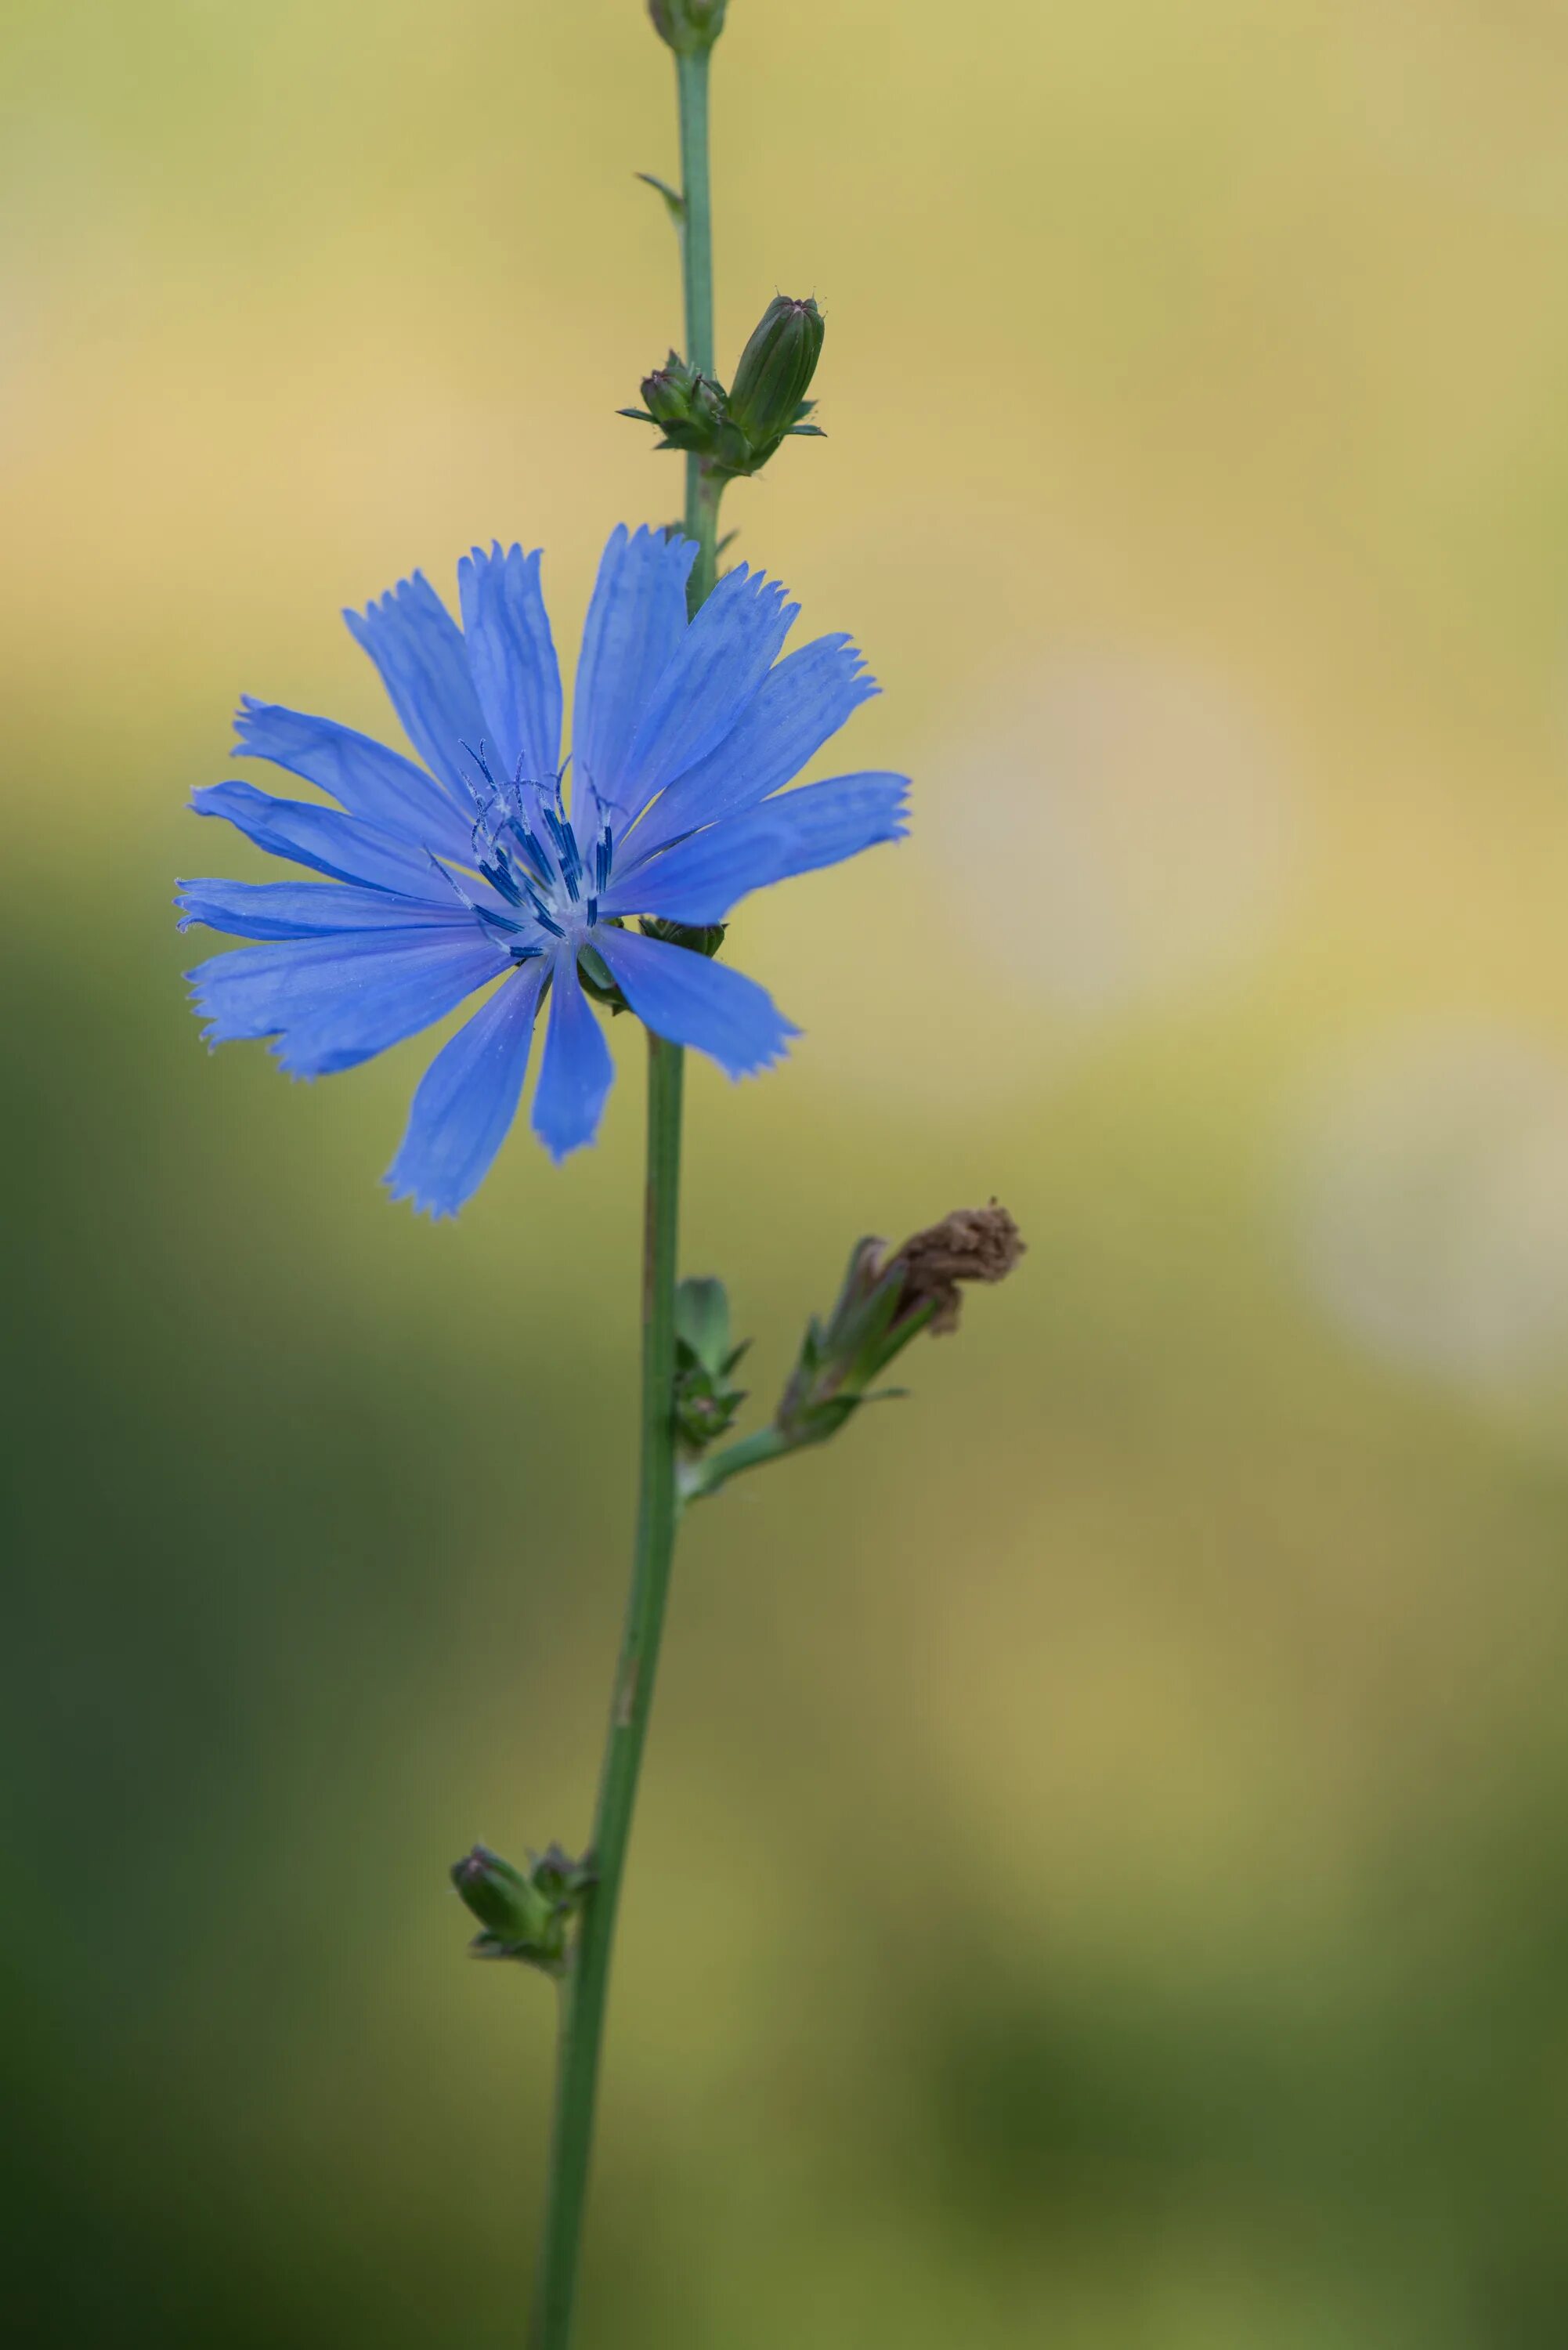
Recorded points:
(219, 1031)
(212, 1034)
(246, 717)
(770, 1056)
(495, 553)
(864, 683)
(438, 1210)
(557, 1153)
(414, 588)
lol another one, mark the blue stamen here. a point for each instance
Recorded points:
(478, 758)
(488, 823)
(499, 874)
(453, 884)
(535, 854)
(486, 914)
(567, 852)
(547, 921)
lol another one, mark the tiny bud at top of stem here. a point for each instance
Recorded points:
(688, 27)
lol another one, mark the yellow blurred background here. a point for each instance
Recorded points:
(1102, 1876)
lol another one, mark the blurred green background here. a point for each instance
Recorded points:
(1102, 1876)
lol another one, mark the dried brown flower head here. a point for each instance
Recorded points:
(971, 1244)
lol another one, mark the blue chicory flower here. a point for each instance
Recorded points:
(480, 864)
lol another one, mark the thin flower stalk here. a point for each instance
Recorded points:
(585, 1991)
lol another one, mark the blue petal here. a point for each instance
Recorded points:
(635, 625)
(511, 656)
(717, 668)
(306, 910)
(336, 1002)
(701, 878)
(803, 701)
(467, 1100)
(343, 847)
(577, 1070)
(361, 775)
(418, 647)
(681, 995)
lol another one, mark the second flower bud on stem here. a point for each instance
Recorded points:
(735, 432)
(767, 398)
(524, 1916)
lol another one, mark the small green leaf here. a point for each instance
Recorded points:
(674, 202)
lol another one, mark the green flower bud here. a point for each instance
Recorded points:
(688, 408)
(505, 1902)
(558, 1876)
(689, 27)
(523, 1917)
(667, 393)
(677, 393)
(704, 940)
(768, 398)
(705, 1402)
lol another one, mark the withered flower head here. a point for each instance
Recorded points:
(971, 1244)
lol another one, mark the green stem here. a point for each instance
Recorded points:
(746, 1452)
(587, 1989)
(702, 489)
(691, 91)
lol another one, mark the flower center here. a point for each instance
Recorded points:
(525, 846)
